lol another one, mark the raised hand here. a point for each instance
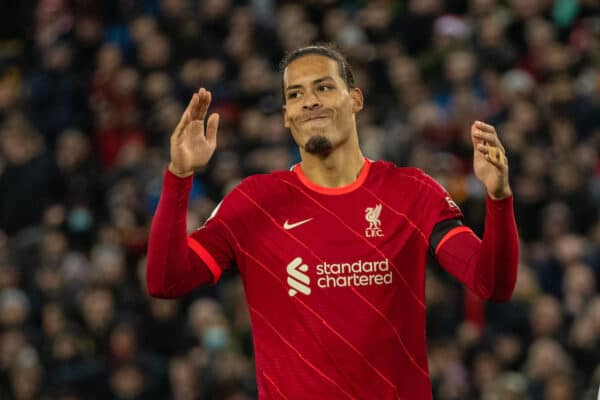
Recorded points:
(193, 143)
(489, 160)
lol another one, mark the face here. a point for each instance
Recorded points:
(319, 107)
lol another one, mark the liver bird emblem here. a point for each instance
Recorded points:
(372, 216)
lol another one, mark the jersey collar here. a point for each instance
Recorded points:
(360, 179)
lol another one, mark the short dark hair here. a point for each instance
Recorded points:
(323, 49)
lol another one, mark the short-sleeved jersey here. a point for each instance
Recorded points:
(334, 279)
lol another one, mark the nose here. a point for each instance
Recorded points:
(311, 101)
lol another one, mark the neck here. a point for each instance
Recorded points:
(340, 168)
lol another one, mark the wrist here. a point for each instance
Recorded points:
(180, 174)
(500, 194)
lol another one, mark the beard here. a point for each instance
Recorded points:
(319, 146)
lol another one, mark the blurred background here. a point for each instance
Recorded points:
(91, 90)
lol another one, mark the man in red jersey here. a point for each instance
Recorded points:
(332, 254)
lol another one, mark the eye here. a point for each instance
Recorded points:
(293, 95)
(325, 88)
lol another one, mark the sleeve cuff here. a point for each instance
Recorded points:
(499, 204)
(175, 180)
(177, 188)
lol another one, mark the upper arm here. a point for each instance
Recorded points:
(215, 242)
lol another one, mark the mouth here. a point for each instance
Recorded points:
(315, 118)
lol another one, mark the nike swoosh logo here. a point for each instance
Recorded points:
(288, 226)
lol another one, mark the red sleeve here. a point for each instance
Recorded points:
(436, 201)
(175, 264)
(488, 267)
(213, 242)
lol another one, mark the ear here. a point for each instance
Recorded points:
(285, 117)
(358, 99)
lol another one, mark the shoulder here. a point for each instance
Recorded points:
(261, 186)
(263, 182)
(390, 168)
(406, 175)
(254, 193)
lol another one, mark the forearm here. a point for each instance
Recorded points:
(500, 248)
(488, 266)
(172, 269)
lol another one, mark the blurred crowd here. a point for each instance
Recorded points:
(90, 92)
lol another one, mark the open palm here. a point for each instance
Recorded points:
(193, 141)
(489, 160)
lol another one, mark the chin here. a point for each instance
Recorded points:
(317, 131)
(319, 145)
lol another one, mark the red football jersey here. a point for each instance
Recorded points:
(334, 279)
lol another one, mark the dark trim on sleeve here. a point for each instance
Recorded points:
(440, 230)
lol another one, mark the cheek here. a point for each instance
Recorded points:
(285, 117)
(289, 117)
(344, 112)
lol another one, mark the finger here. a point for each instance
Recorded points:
(489, 138)
(493, 155)
(193, 109)
(199, 111)
(205, 98)
(485, 127)
(486, 136)
(195, 128)
(186, 117)
(483, 149)
(497, 158)
(501, 163)
(211, 128)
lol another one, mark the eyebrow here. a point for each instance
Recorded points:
(316, 81)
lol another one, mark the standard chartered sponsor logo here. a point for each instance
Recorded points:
(334, 275)
(358, 273)
(297, 279)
